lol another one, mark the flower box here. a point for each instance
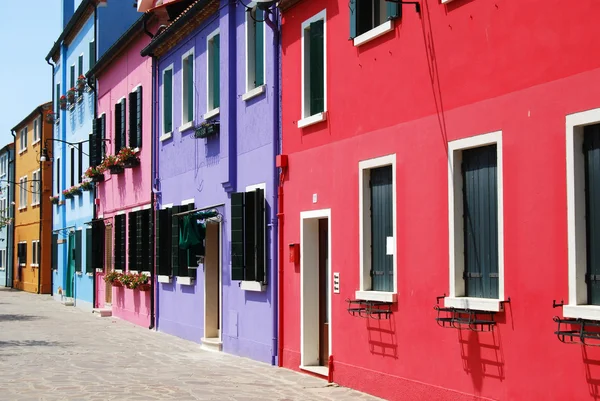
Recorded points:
(62, 102)
(116, 169)
(54, 200)
(50, 118)
(128, 157)
(69, 196)
(86, 185)
(97, 178)
(71, 95)
(131, 162)
(81, 81)
(144, 287)
(206, 130)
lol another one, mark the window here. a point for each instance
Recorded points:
(72, 77)
(4, 212)
(95, 247)
(583, 208)
(22, 253)
(23, 140)
(3, 165)
(57, 180)
(80, 66)
(54, 251)
(139, 240)
(171, 260)
(36, 186)
(120, 130)
(248, 251)
(22, 192)
(35, 253)
(78, 250)
(72, 166)
(370, 19)
(377, 228)
(214, 82)
(476, 223)
(167, 115)
(57, 104)
(187, 87)
(135, 118)
(80, 162)
(163, 241)
(97, 137)
(255, 48)
(37, 130)
(2, 259)
(92, 54)
(120, 237)
(314, 94)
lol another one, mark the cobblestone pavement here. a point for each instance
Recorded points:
(52, 352)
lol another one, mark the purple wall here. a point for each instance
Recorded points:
(208, 170)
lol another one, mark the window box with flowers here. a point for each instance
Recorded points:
(94, 174)
(114, 278)
(86, 185)
(81, 81)
(136, 281)
(54, 200)
(112, 164)
(62, 102)
(71, 96)
(51, 117)
(70, 193)
(128, 157)
(207, 129)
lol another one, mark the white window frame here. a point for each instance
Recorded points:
(2, 259)
(377, 31)
(35, 254)
(23, 139)
(23, 198)
(456, 298)
(18, 261)
(577, 306)
(3, 164)
(166, 135)
(190, 122)
(35, 193)
(251, 90)
(307, 120)
(210, 111)
(364, 219)
(37, 130)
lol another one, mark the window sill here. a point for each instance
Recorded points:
(89, 274)
(318, 370)
(99, 271)
(254, 92)
(146, 273)
(118, 271)
(380, 296)
(166, 136)
(22, 151)
(590, 312)
(71, 107)
(134, 272)
(374, 33)
(80, 98)
(252, 286)
(482, 304)
(185, 280)
(36, 142)
(22, 264)
(186, 126)
(34, 265)
(212, 113)
(445, 1)
(35, 204)
(314, 119)
(79, 273)
(22, 208)
(164, 279)
(2, 269)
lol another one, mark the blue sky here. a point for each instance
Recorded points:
(27, 33)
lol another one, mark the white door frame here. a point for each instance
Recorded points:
(220, 331)
(308, 340)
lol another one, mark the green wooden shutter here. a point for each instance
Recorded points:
(382, 223)
(132, 240)
(250, 235)
(120, 239)
(132, 120)
(117, 127)
(163, 242)
(480, 211)
(92, 54)
(393, 10)
(353, 17)
(98, 243)
(259, 49)
(190, 87)
(175, 240)
(591, 149)
(92, 156)
(78, 251)
(101, 138)
(216, 71)
(259, 212)
(149, 241)
(123, 124)
(80, 66)
(168, 100)
(138, 128)
(55, 251)
(88, 251)
(237, 236)
(140, 240)
(316, 65)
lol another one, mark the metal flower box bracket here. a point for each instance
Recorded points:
(373, 309)
(207, 130)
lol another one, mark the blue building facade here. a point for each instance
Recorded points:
(7, 196)
(88, 31)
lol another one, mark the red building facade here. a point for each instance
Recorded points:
(444, 153)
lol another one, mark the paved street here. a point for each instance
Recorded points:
(52, 352)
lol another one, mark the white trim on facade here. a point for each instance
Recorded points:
(190, 122)
(210, 110)
(322, 15)
(248, 59)
(166, 135)
(252, 93)
(374, 33)
(456, 296)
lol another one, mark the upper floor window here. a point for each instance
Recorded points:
(23, 192)
(23, 140)
(120, 124)
(135, 118)
(214, 82)
(35, 186)
(92, 54)
(187, 87)
(314, 92)
(3, 165)
(37, 130)
(371, 18)
(255, 48)
(72, 77)
(58, 94)
(167, 114)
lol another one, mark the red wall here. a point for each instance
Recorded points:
(519, 67)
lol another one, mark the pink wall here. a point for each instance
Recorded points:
(131, 188)
(518, 67)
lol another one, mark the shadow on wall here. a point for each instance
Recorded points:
(482, 355)
(382, 337)
(591, 361)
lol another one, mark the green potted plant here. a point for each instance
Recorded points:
(112, 164)
(94, 174)
(54, 200)
(81, 81)
(114, 278)
(86, 185)
(67, 193)
(71, 95)
(62, 102)
(128, 157)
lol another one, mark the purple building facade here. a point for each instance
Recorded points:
(216, 137)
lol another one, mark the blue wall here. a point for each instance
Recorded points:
(7, 193)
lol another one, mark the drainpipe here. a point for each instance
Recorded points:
(152, 206)
(154, 187)
(51, 214)
(12, 203)
(93, 87)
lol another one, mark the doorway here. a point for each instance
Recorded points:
(315, 268)
(212, 287)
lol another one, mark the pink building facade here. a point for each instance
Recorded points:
(123, 206)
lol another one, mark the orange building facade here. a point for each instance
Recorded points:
(32, 208)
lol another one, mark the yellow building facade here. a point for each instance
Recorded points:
(32, 208)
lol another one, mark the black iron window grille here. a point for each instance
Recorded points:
(369, 309)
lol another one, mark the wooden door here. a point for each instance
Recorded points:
(324, 293)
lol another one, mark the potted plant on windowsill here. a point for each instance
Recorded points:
(54, 200)
(50, 117)
(112, 164)
(94, 174)
(140, 282)
(71, 95)
(86, 185)
(128, 157)
(62, 102)
(81, 81)
(114, 279)
(67, 193)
